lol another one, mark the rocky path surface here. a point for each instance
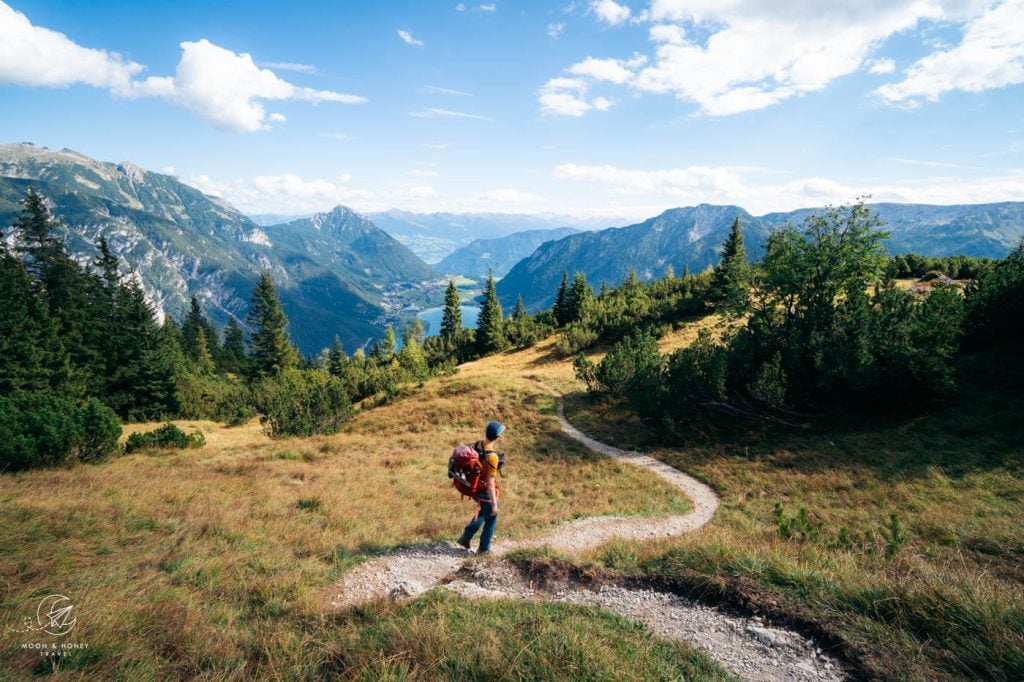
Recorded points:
(747, 647)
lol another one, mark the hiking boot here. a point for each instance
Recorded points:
(483, 552)
(462, 542)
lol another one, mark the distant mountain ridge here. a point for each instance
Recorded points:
(433, 236)
(691, 237)
(498, 255)
(332, 269)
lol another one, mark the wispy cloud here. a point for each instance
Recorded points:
(431, 112)
(488, 8)
(555, 29)
(445, 91)
(408, 38)
(290, 66)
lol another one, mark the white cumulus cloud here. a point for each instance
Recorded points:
(990, 55)
(881, 66)
(731, 56)
(568, 97)
(408, 38)
(36, 56)
(224, 87)
(610, 12)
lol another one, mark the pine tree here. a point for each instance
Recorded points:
(451, 321)
(520, 312)
(271, 349)
(560, 310)
(233, 353)
(490, 332)
(730, 282)
(203, 359)
(414, 331)
(35, 227)
(143, 383)
(71, 295)
(336, 358)
(31, 356)
(195, 321)
(385, 348)
(580, 298)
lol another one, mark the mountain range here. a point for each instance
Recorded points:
(433, 236)
(691, 237)
(337, 272)
(476, 259)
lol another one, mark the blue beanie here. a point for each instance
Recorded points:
(494, 429)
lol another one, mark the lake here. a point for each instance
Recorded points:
(431, 318)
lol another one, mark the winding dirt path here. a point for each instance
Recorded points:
(747, 647)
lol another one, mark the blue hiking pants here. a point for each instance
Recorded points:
(486, 517)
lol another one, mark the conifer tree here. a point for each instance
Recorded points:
(336, 358)
(35, 227)
(385, 348)
(70, 294)
(203, 359)
(451, 321)
(560, 310)
(520, 311)
(195, 321)
(730, 283)
(490, 332)
(271, 350)
(31, 356)
(143, 383)
(233, 353)
(580, 298)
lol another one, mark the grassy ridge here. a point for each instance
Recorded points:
(940, 598)
(212, 561)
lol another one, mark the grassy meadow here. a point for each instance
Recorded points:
(211, 563)
(937, 594)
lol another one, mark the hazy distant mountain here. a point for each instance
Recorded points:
(990, 230)
(691, 237)
(680, 238)
(264, 219)
(474, 259)
(332, 269)
(432, 236)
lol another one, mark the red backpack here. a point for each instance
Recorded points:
(465, 470)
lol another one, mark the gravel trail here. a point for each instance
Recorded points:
(746, 646)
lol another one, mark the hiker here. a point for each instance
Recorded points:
(487, 499)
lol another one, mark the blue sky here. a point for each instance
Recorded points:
(591, 108)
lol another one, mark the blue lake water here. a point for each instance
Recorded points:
(432, 317)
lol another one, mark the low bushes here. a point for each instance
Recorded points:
(166, 437)
(302, 403)
(42, 430)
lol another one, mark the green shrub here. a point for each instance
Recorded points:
(214, 397)
(43, 430)
(100, 431)
(166, 437)
(302, 403)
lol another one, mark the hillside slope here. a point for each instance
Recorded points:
(183, 243)
(498, 255)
